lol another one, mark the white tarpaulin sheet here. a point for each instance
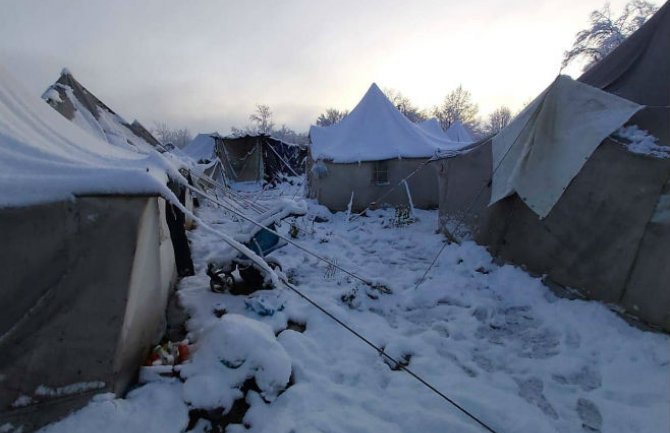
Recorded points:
(545, 147)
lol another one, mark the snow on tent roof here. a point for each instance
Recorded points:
(45, 158)
(375, 130)
(457, 132)
(79, 105)
(432, 126)
(202, 147)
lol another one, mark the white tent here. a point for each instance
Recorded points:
(202, 147)
(87, 261)
(432, 126)
(373, 131)
(370, 152)
(457, 132)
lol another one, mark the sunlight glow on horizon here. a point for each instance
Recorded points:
(204, 65)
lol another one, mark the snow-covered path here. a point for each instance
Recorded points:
(490, 337)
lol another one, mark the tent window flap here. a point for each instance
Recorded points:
(380, 173)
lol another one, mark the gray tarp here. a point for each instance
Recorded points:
(546, 146)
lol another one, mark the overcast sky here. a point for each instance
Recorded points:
(204, 64)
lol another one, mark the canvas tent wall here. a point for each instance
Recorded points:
(77, 104)
(87, 262)
(608, 232)
(369, 152)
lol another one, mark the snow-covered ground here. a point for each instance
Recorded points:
(490, 337)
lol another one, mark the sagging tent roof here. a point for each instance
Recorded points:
(45, 158)
(457, 132)
(79, 105)
(375, 130)
(202, 147)
(260, 157)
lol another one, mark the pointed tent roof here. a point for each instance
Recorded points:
(375, 130)
(432, 126)
(202, 147)
(457, 132)
(79, 105)
(45, 158)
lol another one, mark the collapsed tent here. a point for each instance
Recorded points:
(77, 104)
(260, 157)
(208, 168)
(363, 158)
(87, 261)
(249, 158)
(577, 187)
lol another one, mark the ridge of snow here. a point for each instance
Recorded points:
(641, 142)
(94, 116)
(375, 130)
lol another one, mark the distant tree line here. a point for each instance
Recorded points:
(262, 123)
(178, 137)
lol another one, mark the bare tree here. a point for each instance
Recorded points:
(605, 32)
(497, 120)
(404, 105)
(179, 137)
(457, 106)
(288, 135)
(262, 117)
(331, 116)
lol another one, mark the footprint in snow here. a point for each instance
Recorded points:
(592, 420)
(531, 390)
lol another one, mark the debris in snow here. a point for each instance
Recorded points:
(641, 142)
(231, 351)
(169, 353)
(265, 303)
